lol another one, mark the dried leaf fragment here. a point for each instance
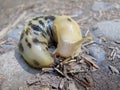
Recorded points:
(59, 71)
(113, 53)
(89, 61)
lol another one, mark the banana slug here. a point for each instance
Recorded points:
(41, 31)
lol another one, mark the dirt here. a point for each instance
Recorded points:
(16, 71)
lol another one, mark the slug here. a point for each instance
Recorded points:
(40, 32)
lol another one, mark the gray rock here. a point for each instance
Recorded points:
(116, 5)
(8, 46)
(97, 41)
(101, 6)
(15, 71)
(15, 34)
(97, 52)
(108, 29)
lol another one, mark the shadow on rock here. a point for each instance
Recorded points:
(23, 64)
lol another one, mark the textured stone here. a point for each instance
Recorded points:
(15, 71)
(97, 52)
(15, 34)
(108, 29)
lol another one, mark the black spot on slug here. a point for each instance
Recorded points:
(51, 32)
(29, 45)
(37, 28)
(36, 62)
(36, 18)
(22, 35)
(35, 40)
(48, 32)
(43, 35)
(46, 48)
(27, 31)
(30, 23)
(21, 47)
(26, 40)
(69, 19)
(52, 18)
(42, 23)
(43, 43)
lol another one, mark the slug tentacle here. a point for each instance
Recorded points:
(41, 32)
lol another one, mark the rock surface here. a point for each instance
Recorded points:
(14, 69)
(97, 52)
(108, 29)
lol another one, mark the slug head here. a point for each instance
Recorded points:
(68, 36)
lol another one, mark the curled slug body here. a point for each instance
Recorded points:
(41, 31)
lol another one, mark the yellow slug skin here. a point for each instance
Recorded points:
(67, 34)
(42, 31)
(37, 56)
(34, 48)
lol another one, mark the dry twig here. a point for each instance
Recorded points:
(89, 61)
(113, 53)
(83, 19)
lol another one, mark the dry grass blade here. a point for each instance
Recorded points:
(85, 49)
(19, 19)
(82, 19)
(87, 32)
(4, 31)
(113, 53)
(118, 42)
(68, 60)
(90, 61)
(3, 42)
(88, 57)
(32, 83)
(60, 72)
(113, 69)
(88, 43)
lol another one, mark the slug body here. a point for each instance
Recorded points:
(41, 31)
(68, 35)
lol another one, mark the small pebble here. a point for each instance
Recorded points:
(97, 52)
(98, 41)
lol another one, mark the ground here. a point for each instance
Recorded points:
(97, 18)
